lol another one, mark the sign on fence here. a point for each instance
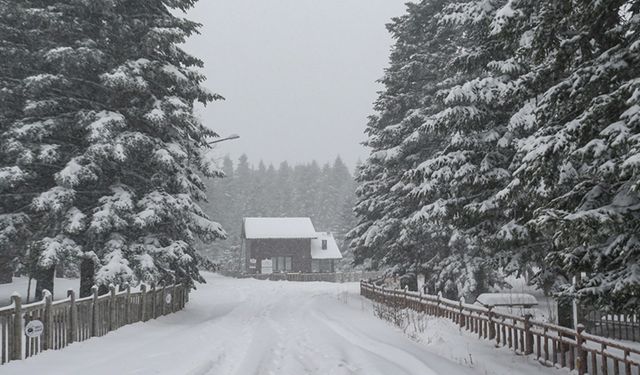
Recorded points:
(34, 329)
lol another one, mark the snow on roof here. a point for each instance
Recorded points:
(331, 252)
(278, 227)
(506, 299)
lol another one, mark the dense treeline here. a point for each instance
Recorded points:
(325, 194)
(507, 141)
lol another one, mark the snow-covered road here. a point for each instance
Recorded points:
(249, 327)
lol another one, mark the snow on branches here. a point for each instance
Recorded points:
(508, 135)
(102, 142)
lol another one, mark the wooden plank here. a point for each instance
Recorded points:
(17, 328)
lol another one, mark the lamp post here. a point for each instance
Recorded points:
(232, 136)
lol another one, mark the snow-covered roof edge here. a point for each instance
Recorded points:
(331, 252)
(278, 228)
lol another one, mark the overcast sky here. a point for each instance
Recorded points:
(298, 75)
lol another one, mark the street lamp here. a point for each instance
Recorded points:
(232, 136)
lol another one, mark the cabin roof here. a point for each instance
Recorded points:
(278, 228)
(331, 252)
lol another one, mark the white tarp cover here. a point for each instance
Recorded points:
(332, 251)
(507, 299)
(278, 227)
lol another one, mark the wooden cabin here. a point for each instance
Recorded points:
(286, 244)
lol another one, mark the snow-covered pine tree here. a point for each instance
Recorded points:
(459, 185)
(38, 105)
(579, 166)
(438, 204)
(109, 109)
(396, 135)
(16, 62)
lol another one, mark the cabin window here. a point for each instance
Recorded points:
(324, 244)
(281, 264)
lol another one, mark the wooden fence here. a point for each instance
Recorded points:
(550, 344)
(615, 326)
(338, 277)
(74, 320)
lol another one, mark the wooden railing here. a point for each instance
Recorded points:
(338, 277)
(615, 326)
(74, 320)
(550, 344)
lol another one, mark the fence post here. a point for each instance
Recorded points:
(164, 293)
(185, 296)
(173, 298)
(16, 353)
(72, 332)
(528, 345)
(127, 304)
(153, 300)
(581, 360)
(461, 316)
(143, 303)
(48, 321)
(438, 304)
(112, 307)
(178, 294)
(406, 301)
(94, 311)
(492, 327)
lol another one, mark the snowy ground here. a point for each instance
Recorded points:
(247, 327)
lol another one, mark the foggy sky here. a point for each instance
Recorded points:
(298, 75)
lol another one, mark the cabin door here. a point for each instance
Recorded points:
(267, 266)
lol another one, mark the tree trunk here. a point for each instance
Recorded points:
(6, 270)
(87, 274)
(60, 270)
(44, 280)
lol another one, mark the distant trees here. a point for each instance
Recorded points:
(506, 141)
(325, 194)
(100, 150)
